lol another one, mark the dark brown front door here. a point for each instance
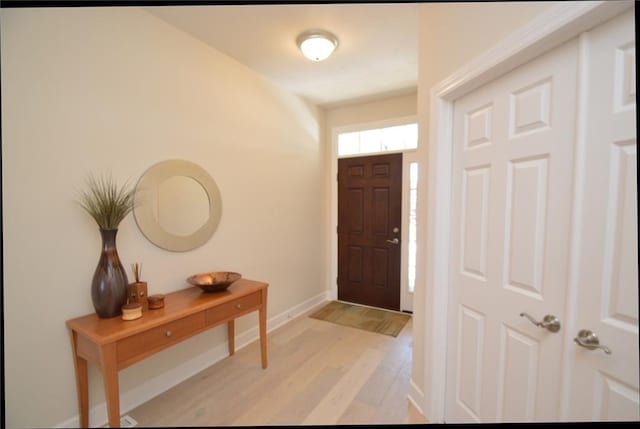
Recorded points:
(369, 215)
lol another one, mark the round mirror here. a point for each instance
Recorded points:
(174, 194)
(177, 205)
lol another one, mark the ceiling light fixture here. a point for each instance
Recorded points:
(317, 45)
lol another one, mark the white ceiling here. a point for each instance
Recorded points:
(376, 55)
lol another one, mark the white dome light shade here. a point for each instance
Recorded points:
(317, 45)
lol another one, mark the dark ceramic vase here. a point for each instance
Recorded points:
(109, 285)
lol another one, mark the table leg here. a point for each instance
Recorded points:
(231, 333)
(263, 328)
(82, 382)
(111, 386)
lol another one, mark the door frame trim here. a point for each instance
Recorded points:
(553, 27)
(408, 155)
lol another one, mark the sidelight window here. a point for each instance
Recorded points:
(413, 199)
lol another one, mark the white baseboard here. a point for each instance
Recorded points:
(416, 397)
(155, 386)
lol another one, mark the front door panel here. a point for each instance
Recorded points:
(369, 216)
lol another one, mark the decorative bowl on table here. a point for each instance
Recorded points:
(215, 281)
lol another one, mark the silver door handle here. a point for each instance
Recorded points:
(550, 322)
(394, 241)
(589, 340)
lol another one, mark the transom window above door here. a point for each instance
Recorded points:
(388, 139)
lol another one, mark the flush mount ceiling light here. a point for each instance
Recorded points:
(317, 45)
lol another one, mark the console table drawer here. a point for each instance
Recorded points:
(232, 308)
(160, 337)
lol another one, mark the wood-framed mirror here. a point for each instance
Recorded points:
(177, 205)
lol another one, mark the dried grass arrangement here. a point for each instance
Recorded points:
(107, 203)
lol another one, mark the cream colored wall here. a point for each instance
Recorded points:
(450, 35)
(373, 111)
(90, 90)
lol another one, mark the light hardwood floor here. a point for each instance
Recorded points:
(319, 373)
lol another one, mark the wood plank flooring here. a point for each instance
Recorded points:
(319, 373)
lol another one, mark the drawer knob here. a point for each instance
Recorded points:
(167, 333)
(238, 306)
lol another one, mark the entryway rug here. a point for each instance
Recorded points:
(368, 319)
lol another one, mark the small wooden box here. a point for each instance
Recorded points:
(156, 301)
(137, 293)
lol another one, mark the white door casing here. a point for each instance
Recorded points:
(512, 159)
(602, 386)
(502, 371)
(550, 29)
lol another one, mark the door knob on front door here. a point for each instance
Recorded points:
(394, 241)
(589, 340)
(550, 322)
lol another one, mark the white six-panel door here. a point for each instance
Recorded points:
(513, 157)
(513, 207)
(605, 386)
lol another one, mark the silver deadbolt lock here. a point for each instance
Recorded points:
(396, 230)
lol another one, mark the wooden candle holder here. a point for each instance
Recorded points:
(137, 293)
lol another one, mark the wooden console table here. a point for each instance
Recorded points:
(114, 344)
